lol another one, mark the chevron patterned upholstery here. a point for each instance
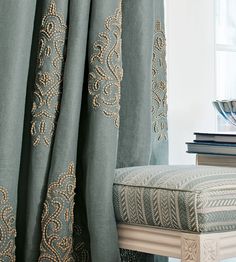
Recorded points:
(188, 198)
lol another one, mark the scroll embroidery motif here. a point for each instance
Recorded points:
(47, 92)
(106, 69)
(7, 228)
(57, 219)
(159, 88)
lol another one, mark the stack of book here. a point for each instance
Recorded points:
(214, 149)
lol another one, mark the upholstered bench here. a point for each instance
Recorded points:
(188, 212)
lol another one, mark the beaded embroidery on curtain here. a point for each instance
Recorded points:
(58, 218)
(106, 70)
(49, 76)
(7, 228)
(159, 87)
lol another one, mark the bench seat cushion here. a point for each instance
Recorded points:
(188, 198)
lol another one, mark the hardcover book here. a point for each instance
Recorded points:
(229, 137)
(212, 148)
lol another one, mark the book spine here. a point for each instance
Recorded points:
(209, 160)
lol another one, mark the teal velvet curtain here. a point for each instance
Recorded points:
(82, 91)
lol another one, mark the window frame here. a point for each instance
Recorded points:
(221, 124)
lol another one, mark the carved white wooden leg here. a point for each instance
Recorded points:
(199, 248)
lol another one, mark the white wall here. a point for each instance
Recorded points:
(191, 80)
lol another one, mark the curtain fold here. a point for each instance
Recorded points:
(82, 92)
(15, 45)
(135, 130)
(159, 150)
(101, 127)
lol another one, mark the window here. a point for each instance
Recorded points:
(225, 24)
